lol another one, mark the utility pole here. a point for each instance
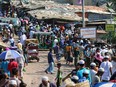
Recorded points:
(83, 12)
(111, 18)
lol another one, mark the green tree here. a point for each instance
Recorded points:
(111, 4)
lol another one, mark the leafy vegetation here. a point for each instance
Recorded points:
(111, 4)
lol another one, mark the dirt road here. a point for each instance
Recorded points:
(35, 70)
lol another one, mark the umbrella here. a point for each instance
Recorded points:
(10, 54)
(105, 84)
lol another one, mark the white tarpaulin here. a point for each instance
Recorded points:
(88, 32)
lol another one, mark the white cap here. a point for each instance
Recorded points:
(13, 82)
(86, 72)
(103, 47)
(81, 62)
(18, 40)
(106, 57)
(89, 42)
(101, 69)
(93, 64)
(55, 36)
(81, 41)
(77, 41)
(110, 45)
(45, 78)
(93, 45)
(75, 77)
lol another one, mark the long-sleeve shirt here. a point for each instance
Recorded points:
(50, 57)
(80, 74)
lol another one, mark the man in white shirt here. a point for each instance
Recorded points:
(31, 33)
(107, 65)
(22, 39)
(113, 64)
(11, 41)
(110, 51)
(21, 62)
(97, 78)
(55, 41)
(103, 51)
(93, 72)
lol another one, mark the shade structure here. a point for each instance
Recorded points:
(10, 54)
(49, 14)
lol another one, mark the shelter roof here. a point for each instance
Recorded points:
(101, 32)
(48, 14)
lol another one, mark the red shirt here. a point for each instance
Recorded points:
(12, 65)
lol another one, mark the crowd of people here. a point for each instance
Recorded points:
(92, 64)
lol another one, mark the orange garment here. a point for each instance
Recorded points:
(68, 48)
(77, 48)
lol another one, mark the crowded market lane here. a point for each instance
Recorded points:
(35, 70)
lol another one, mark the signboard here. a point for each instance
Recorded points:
(110, 27)
(88, 32)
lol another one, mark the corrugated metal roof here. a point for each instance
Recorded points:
(89, 8)
(47, 14)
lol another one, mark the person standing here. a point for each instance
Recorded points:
(57, 50)
(98, 76)
(110, 51)
(113, 64)
(50, 62)
(85, 76)
(54, 43)
(12, 64)
(103, 51)
(82, 69)
(23, 38)
(19, 46)
(68, 51)
(11, 40)
(31, 33)
(93, 72)
(59, 75)
(4, 67)
(76, 53)
(21, 63)
(107, 66)
(98, 57)
(14, 77)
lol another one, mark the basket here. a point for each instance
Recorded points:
(83, 84)
(68, 83)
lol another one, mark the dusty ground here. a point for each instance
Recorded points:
(35, 70)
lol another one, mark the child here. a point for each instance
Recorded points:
(59, 75)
